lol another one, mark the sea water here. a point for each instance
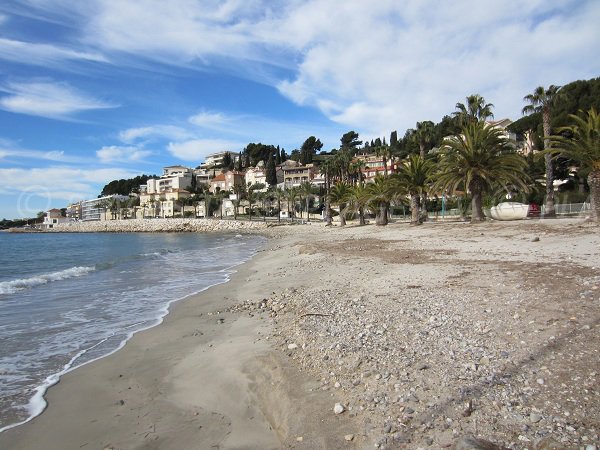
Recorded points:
(69, 299)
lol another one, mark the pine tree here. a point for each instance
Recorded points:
(239, 167)
(271, 171)
(283, 155)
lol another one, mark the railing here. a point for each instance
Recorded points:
(570, 209)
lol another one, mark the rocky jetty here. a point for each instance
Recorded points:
(158, 226)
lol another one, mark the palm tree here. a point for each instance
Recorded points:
(290, 195)
(252, 197)
(239, 190)
(327, 168)
(340, 195)
(414, 177)
(424, 135)
(381, 191)
(478, 159)
(356, 168)
(384, 152)
(583, 146)
(358, 200)
(307, 190)
(475, 110)
(543, 100)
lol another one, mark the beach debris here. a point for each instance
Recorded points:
(338, 408)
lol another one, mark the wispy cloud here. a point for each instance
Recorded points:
(56, 186)
(210, 119)
(154, 131)
(114, 153)
(11, 150)
(43, 54)
(377, 66)
(48, 99)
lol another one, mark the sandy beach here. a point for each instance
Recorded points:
(419, 335)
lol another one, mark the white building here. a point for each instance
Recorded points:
(216, 159)
(257, 175)
(53, 217)
(173, 177)
(96, 208)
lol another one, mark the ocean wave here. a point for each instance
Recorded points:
(10, 287)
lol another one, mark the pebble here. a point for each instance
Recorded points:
(349, 437)
(292, 346)
(535, 418)
(338, 408)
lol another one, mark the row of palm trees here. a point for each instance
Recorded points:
(477, 160)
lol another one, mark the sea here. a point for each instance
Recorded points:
(67, 299)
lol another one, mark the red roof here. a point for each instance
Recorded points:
(220, 177)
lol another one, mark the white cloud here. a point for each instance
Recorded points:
(42, 54)
(114, 153)
(56, 186)
(9, 149)
(47, 99)
(209, 119)
(154, 131)
(372, 66)
(197, 149)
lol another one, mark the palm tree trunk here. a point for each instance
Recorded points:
(415, 213)
(307, 214)
(361, 216)
(385, 166)
(549, 210)
(278, 209)
(594, 184)
(476, 202)
(381, 216)
(342, 215)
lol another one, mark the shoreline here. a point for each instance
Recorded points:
(38, 403)
(401, 325)
(151, 226)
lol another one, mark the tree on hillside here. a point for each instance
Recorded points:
(542, 101)
(309, 148)
(581, 142)
(479, 159)
(424, 136)
(350, 141)
(271, 175)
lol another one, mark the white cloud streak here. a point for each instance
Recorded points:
(114, 153)
(43, 54)
(48, 99)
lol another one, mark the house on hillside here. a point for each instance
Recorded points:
(173, 177)
(226, 181)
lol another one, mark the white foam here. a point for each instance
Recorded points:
(10, 287)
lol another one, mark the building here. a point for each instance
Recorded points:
(216, 159)
(167, 203)
(257, 175)
(97, 209)
(374, 165)
(53, 217)
(204, 175)
(173, 177)
(74, 211)
(226, 181)
(295, 174)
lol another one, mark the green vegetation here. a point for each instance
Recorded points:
(125, 187)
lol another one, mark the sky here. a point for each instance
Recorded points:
(96, 90)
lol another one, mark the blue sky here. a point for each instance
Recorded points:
(96, 90)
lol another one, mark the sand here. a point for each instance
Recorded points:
(208, 377)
